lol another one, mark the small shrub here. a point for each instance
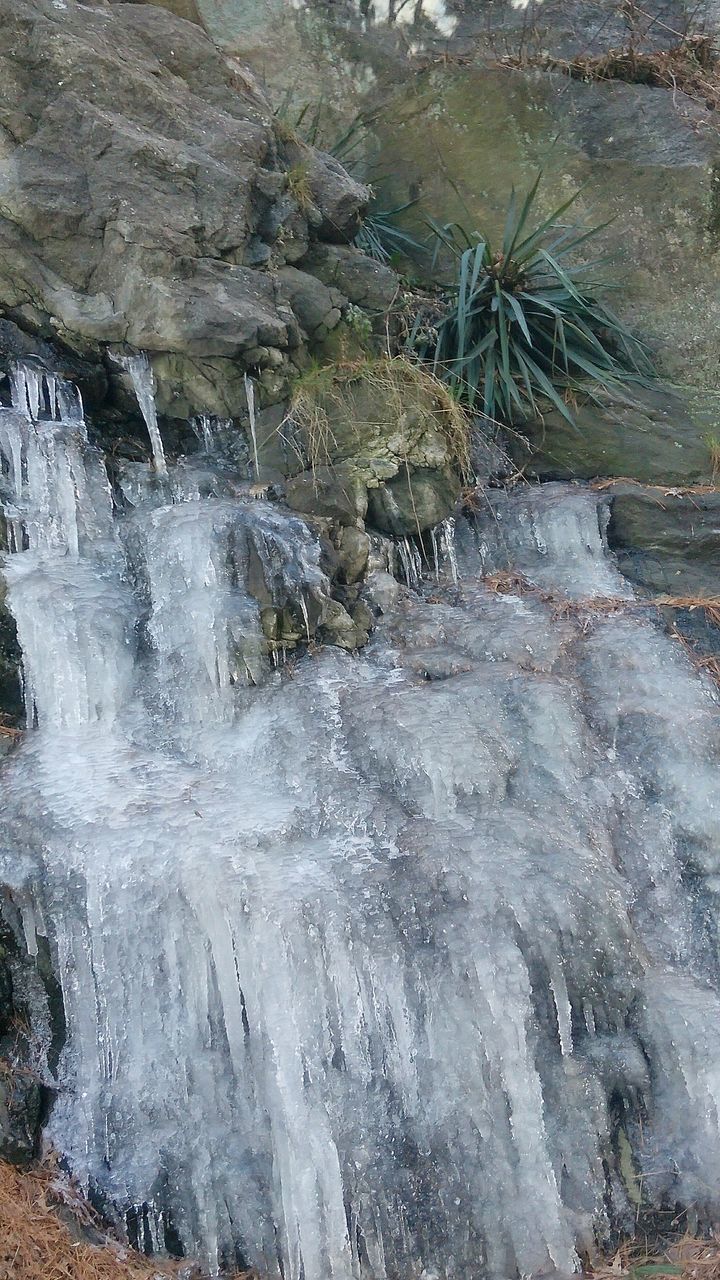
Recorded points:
(523, 324)
(713, 444)
(298, 183)
(359, 322)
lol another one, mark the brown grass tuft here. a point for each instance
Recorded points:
(394, 377)
(699, 1259)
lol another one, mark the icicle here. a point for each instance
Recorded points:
(306, 618)
(141, 375)
(301, 929)
(563, 1010)
(25, 391)
(250, 394)
(410, 561)
(202, 425)
(435, 551)
(447, 546)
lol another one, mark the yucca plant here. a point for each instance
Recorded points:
(381, 239)
(522, 324)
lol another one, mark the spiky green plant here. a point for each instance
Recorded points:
(522, 323)
(380, 238)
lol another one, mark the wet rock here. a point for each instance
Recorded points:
(12, 708)
(21, 1093)
(381, 591)
(362, 617)
(337, 492)
(413, 503)
(89, 376)
(667, 542)
(341, 630)
(353, 550)
(21, 1105)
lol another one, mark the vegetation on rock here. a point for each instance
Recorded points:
(522, 323)
(391, 434)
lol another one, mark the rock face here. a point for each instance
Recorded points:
(22, 1096)
(667, 541)
(382, 439)
(145, 199)
(649, 437)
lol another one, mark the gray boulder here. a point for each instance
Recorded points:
(144, 198)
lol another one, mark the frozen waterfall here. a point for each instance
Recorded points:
(368, 965)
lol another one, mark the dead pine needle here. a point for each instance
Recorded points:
(35, 1244)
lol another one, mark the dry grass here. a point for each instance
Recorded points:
(35, 1244)
(713, 445)
(699, 1259)
(687, 1258)
(668, 491)
(692, 67)
(298, 183)
(710, 605)
(320, 392)
(309, 415)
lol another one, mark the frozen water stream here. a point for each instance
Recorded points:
(365, 965)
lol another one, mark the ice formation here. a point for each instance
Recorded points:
(367, 965)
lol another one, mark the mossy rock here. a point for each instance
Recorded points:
(387, 427)
(656, 438)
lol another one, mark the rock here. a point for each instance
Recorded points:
(143, 200)
(655, 439)
(362, 616)
(388, 424)
(667, 542)
(381, 591)
(490, 453)
(363, 281)
(352, 551)
(89, 376)
(12, 709)
(317, 307)
(21, 1092)
(186, 9)
(643, 157)
(341, 203)
(413, 503)
(337, 492)
(338, 628)
(21, 1104)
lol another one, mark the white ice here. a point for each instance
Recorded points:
(364, 964)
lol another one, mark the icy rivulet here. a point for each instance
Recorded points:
(366, 963)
